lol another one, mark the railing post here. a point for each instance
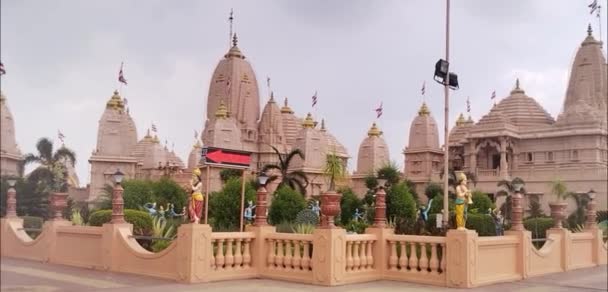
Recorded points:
(381, 250)
(380, 209)
(118, 215)
(260, 208)
(566, 242)
(591, 226)
(328, 256)
(524, 244)
(195, 251)
(11, 203)
(461, 246)
(259, 248)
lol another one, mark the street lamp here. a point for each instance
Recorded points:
(261, 203)
(591, 194)
(262, 179)
(11, 199)
(11, 182)
(118, 176)
(118, 215)
(591, 214)
(380, 205)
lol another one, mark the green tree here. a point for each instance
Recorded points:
(401, 205)
(167, 191)
(390, 172)
(226, 174)
(286, 204)
(295, 179)
(432, 190)
(481, 203)
(349, 203)
(225, 205)
(137, 193)
(536, 210)
(51, 173)
(30, 202)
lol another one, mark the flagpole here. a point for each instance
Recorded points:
(599, 17)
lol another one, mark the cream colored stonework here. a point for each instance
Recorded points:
(10, 154)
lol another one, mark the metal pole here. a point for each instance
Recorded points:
(207, 194)
(446, 119)
(242, 199)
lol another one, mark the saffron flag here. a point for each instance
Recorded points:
(468, 105)
(314, 99)
(423, 87)
(121, 76)
(379, 111)
(60, 135)
(2, 70)
(493, 95)
(593, 6)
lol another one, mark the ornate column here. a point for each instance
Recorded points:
(504, 169)
(260, 208)
(11, 203)
(591, 214)
(380, 209)
(118, 215)
(517, 212)
(473, 157)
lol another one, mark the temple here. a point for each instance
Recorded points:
(10, 154)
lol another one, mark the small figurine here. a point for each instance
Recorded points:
(248, 214)
(161, 212)
(151, 208)
(463, 199)
(358, 215)
(423, 212)
(195, 208)
(498, 222)
(315, 207)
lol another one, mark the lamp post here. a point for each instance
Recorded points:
(11, 199)
(118, 215)
(380, 205)
(517, 211)
(591, 215)
(261, 203)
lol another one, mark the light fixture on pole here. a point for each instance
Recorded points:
(261, 203)
(591, 194)
(380, 205)
(118, 215)
(591, 222)
(118, 176)
(11, 182)
(11, 199)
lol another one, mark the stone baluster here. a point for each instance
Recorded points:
(392, 260)
(219, 256)
(370, 255)
(433, 263)
(246, 254)
(356, 258)
(229, 259)
(413, 261)
(238, 253)
(288, 254)
(444, 258)
(297, 258)
(349, 255)
(517, 212)
(591, 215)
(280, 254)
(362, 255)
(271, 254)
(403, 257)
(212, 260)
(424, 261)
(306, 258)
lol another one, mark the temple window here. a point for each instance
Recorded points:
(549, 156)
(574, 155)
(529, 157)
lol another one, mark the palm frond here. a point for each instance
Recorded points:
(31, 158)
(272, 178)
(45, 150)
(65, 153)
(292, 154)
(280, 156)
(268, 167)
(299, 175)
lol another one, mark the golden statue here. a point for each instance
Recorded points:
(195, 208)
(463, 199)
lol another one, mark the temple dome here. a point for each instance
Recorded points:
(423, 131)
(518, 110)
(271, 127)
(222, 131)
(313, 144)
(291, 124)
(10, 154)
(117, 134)
(333, 145)
(373, 152)
(587, 94)
(459, 131)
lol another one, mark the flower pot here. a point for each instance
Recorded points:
(330, 207)
(558, 213)
(59, 201)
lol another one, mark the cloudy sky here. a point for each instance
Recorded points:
(62, 58)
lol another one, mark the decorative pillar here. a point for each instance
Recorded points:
(517, 212)
(118, 215)
(11, 203)
(58, 203)
(473, 158)
(504, 172)
(261, 205)
(380, 209)
(591, 223)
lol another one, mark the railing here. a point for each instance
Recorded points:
(231, 250)
(289, 252)
(417, 254)
(487, 172)
(359, 255)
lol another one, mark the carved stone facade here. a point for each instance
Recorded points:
(10, 154)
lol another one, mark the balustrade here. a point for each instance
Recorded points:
(417, 254)
(359, 255)
(231, 250)
(289, 252)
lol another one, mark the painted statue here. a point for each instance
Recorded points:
(463, 199)
(249, 211)
(315, 207)
(423, 212)
(171, 211)
(499, 221)
(161, 212)
(151, 208)
(358, 215)
(195, 208)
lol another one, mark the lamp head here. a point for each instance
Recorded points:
(262, 179)
(381, 182)
(517, 186)
(118, 176)
(11, 182)
(591, 194)
(441, 69)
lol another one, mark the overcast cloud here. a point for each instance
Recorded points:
(62, 58)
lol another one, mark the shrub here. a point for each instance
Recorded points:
(390, 172)
(432, 190)
(225, 205)
(160, 245)
(227, 174)
(538, 226)
(77, 218)
(307, 216)
(535, 209)
(285, 206)
(482, 223)
(142, 221)
(285, 227)
(371, 182)
(357, 226)
(348, 205)
(437, 205)
(601, 215)
(481, 203)
(32, 222)
(401, 205)
(137, 193)
(303, 228)
(167, 191)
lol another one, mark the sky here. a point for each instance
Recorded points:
(62, 59)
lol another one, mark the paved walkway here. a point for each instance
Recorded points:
(27, 276)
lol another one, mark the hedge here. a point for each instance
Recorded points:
(142, 221)
(482, 223)
(32, 222)
(286, 204)
(538, 226)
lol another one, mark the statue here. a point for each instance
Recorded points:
(171, 211)
(161, 212)
(423, 212)
(151, 208)
(498, 221)
(358, 215)
(315, 207)
(463, 199)
(249, 211)
(195, 208)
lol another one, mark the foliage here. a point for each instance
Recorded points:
(285, 227)
(307, 216)
(390, 172)
(32, 222)
(225, 205)
(371, 182)
(77, 218)
(482, 223)
(226, 174)
(601, 215)
(160, 228)
(334, 168)
(578, 216)
(509, 186)
(431, 225)
(30, 201)
(432, 190)
(137, 193)
(303, 228)
(357, 226)
(391, 222)
(412, 187)
(160, 245)
(437, 205)
(166, 191)
(559, 189)
(481, 203)
(535, 209)
(142, 221)
(539, 226)
(51, 175)
(286, 203)
(296, 179)
(401, 205)
(348, 205)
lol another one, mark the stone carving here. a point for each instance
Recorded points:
(248, 214)
(195, 208)
(463, 199)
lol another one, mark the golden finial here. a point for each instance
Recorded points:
(374, 131)
(222, 111)
(424, 110)
(308, 122)
(286, 109)
(197, 144)
(148, 136)
(115, 101)
(460, 120)
(156, 140)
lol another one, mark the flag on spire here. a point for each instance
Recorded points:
(468, 105)
(2, 70)
(379, 111)
(154, 128)
(60, 135)
(195, 134)
(423, 87)
(593, 6)
(314, 99)
(121, 76)
(268, 81)
(493, 95)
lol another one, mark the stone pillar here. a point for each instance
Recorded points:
(261, 206)
(194, 253)
(473, 158)
(259, 247)
(11, 203)
(328, 257)
(566, 244)
(591, 223)
(504, 169)
(58, 203)
(517, 212)
(524, 246)
(118, 215)
(380, 208)
(381, 250)
(461, 249)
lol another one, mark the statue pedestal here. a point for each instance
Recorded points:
(461, 258)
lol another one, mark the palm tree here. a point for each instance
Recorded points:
(509, 187)
(51, 174)
(334, 169)
(295, 179)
